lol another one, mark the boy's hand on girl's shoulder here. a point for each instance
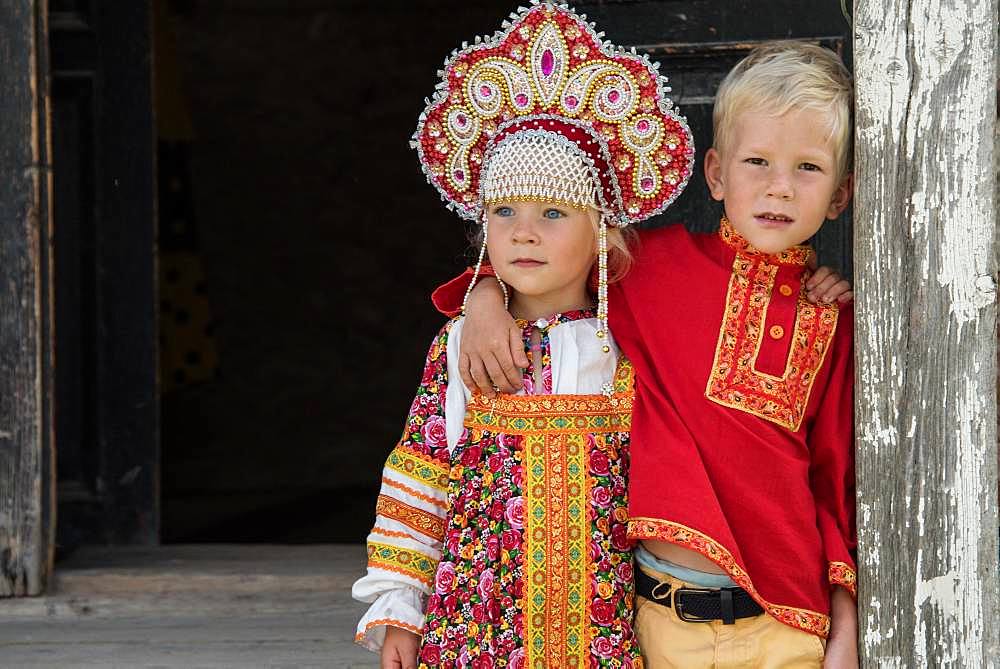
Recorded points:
(827, 286)
(400, 649)
(492, 351)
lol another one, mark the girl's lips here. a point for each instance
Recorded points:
(527, 263)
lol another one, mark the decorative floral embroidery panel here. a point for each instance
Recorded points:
(536, 568)
(734, 381)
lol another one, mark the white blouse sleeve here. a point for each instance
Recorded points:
(404, 546)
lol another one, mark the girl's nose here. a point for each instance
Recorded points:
(524, 232)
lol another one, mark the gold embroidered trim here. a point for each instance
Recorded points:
(734, 380)
(418, 466)
(422, 521)
(402, 561)
(675, 533)
(557, 414)
(843, 574)
(557, 597)
(797, 255)
(510, 420)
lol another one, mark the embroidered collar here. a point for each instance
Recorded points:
(557, 319)
(797, 255)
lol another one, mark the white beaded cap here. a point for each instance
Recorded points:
(540, 166)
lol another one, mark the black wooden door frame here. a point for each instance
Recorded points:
(106, 53)
(26, 355)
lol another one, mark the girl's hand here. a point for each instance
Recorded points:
(842, 647)
(400, 649)
(492, 350)
(825, 285)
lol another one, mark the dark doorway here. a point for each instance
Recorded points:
(297, 243)
(317, 244)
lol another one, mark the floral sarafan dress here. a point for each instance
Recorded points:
(500, 533)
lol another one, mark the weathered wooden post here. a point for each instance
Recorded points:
(26, 481)
(925, 271)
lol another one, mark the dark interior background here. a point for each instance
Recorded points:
(320, 243)
(321, 240)
(297, 239)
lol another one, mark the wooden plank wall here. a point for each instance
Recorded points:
(925, 270)
(26, 461)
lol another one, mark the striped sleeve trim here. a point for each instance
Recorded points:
(438, 501)
(410, 563)
(427, 523)
(420, 467)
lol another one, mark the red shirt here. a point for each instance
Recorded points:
(743, 430)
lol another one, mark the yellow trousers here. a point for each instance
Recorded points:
(761, 642)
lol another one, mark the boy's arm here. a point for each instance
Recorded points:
(842, 645)
(492, 353)
(492, 350)
(831, 471)
(404, 546)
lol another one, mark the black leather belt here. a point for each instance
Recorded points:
(697, 605)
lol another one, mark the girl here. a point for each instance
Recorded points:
(500, 530)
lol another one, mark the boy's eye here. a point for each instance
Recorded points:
(503, 211)
(553, 213)
(810, 167)
(756, 161)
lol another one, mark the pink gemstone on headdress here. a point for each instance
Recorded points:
(642, 126)
(571, 101)
(613, 96)
(485, 91)
(462, 120)
(646, 184)
(548, 63)
(521, 99)
(459, 175)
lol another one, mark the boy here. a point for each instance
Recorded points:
(742, 477)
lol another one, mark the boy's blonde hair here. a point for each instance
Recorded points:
(783, 76)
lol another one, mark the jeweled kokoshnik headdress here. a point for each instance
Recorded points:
(546, 110)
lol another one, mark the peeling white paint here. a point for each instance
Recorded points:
(926, 73)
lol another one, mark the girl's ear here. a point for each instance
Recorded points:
(713, 174)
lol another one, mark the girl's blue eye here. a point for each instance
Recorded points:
(553, 213)
(503, 211)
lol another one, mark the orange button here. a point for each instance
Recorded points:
(785, 289)
(777, 332)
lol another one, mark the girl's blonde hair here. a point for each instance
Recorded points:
(621, 243)
(783, 76)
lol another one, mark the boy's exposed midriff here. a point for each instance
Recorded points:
(684, 557)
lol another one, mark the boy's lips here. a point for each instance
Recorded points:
(769, 219)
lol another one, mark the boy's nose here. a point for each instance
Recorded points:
(780, 188)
